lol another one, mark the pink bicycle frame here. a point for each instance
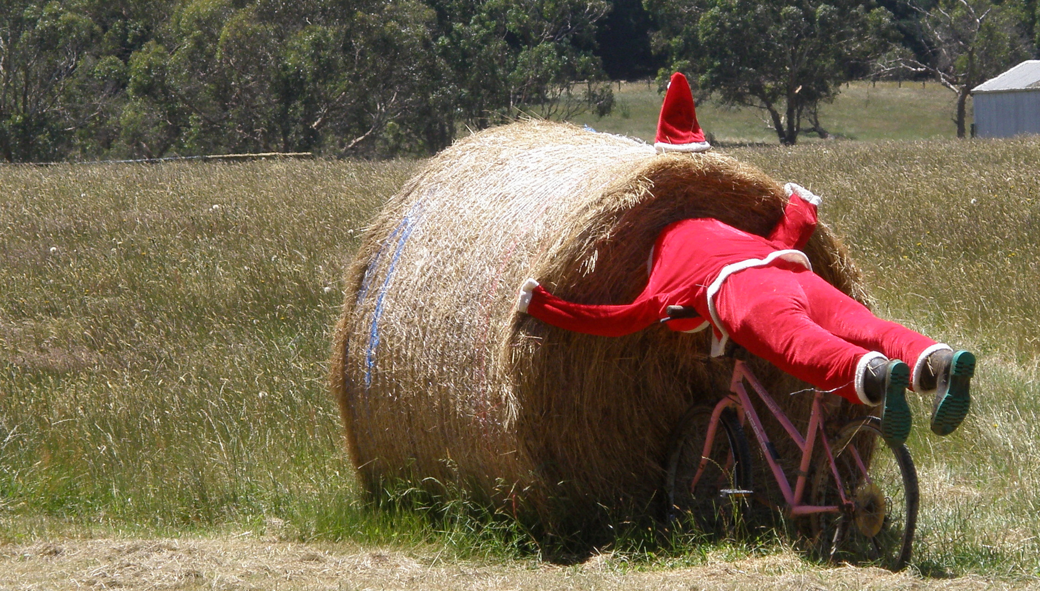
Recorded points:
(741, 401)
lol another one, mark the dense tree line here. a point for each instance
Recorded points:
(86, 79)
(89, 79)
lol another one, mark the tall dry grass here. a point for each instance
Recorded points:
(162, 359)
(163, 331)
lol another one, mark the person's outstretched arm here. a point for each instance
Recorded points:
(799, 221)
(600, 320)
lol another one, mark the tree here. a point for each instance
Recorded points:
(96, 94)
(970, 41)
(355, 78)
(370, 78)
(785, 57)
(41, 46)
(509, 57)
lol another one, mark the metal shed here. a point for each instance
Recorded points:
(1009, 104)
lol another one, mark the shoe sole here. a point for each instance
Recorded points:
(954, 406)
(895, 419)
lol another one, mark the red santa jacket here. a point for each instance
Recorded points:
(690, 260)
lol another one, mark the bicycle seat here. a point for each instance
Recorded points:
(680, 312)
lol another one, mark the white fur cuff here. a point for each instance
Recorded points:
(526, 293)
(805, 194)
(861, 372)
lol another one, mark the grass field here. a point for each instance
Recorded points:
(863, 111)
(164, 332)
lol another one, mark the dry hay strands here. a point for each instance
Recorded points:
(441, 381)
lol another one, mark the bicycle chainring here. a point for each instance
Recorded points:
(870, 509)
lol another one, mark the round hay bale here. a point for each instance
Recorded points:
(442, 383)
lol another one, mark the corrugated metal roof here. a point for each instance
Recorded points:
(1024, 76)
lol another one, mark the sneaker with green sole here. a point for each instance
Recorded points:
(895, 413)
(953, 372)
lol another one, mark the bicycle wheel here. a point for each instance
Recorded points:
(879, 525)
(726, 474)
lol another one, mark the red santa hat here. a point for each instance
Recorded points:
(677, 128)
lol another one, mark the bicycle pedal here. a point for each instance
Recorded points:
(736, 493)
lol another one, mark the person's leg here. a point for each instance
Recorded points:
(938, 371)
(850, 320)
(764, 310)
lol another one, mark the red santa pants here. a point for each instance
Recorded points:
(792, 318)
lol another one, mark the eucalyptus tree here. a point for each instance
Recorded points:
(785, 57)
(41, 46)
(346, 77)
(371, 78)
(508, 58)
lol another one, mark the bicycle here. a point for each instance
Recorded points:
(861, 503)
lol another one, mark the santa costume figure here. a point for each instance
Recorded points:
(761, 292)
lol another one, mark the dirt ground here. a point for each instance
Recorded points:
(250, 563)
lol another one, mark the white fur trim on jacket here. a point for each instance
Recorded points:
(526, 293)
(915, 380)
(721, 337)
(805, 194)
(861, 372)
(663, 147)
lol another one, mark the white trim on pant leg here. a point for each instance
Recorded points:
(861, 371)
(915, 381)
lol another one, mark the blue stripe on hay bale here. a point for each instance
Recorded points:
(372, 266)
(410, 221)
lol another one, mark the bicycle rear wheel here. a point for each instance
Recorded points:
(726, 474)
(882, 483)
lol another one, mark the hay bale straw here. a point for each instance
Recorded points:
(442, 382)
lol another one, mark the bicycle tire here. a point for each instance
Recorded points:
(729, 468)
(880, 528)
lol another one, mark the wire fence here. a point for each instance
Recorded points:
(206, 158)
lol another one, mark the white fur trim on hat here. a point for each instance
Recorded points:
(663, 147)
(915, 379)
(861, 372)
(526, 293)
(805, 194)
